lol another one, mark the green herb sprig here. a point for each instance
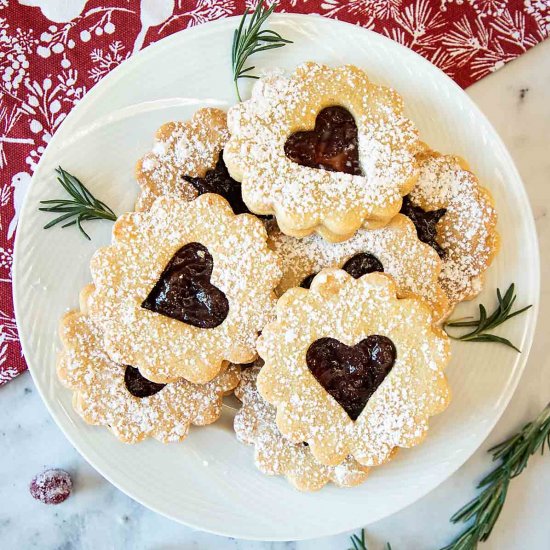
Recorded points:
(484, 323)
(253, 39)
(483, 511)
(83, 206)
(359, 542)
(514, 453)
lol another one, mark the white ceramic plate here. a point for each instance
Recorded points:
(209, 481)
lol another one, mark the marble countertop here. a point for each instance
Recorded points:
(517, 101)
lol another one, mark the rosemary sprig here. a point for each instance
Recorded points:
(487, 322)
(359, 542)
(252, 39)
(82, 207)
(514, 453)
(484, 510)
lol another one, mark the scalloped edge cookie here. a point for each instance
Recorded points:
(101, 398)
(162, 348)
(305, 199)
(274, 454)
(414, 265)
(188, 148)
(348, 309)
(467, 231)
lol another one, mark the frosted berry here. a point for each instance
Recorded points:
(51, 486)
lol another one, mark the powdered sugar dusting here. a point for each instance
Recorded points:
(244, 269)
(349, 310)
(101, 396)
(274, 454)
(414, 265)
(181, 149)
(301, 197)
(467, 232)
(52, 486)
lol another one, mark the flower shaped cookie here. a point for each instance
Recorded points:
(352, 369)
(323, 150)
(457, 217)
(275, 455)
(117, 396)
(393, 249)
(183, 288)
(190, 148)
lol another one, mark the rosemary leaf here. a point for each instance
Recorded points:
(82, 207)
(514, 453)
(359, 542)
(484, 323)
(253, 39)
(483, 511)
(490, 338)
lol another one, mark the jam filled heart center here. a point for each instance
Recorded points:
(184, 291)
(332, 145)
(425, 222)
(351, 374)
(138, 385)
(357, 266)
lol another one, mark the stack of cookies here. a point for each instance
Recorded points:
(301, 250)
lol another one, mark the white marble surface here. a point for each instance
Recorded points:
(517, 101)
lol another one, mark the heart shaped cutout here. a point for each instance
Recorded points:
(184, 291)
(351, 374)
(220, 182)
(357, 266)
(425, 222)
(363, 263)
(332, 145)
(138, 385)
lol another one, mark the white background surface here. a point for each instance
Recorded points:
(98, 516)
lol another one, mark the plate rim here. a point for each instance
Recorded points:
(213, 26)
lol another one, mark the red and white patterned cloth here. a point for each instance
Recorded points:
(53, 51)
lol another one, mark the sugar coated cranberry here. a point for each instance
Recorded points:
(51, 486)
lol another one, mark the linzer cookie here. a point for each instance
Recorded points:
(352, 369)
(456, 216)
(183, 288)
(394, 249)
(275, 455)
(185, 159)
(117, 396)
(324, 150)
